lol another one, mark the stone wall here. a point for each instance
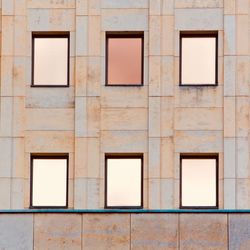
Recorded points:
(159, 119)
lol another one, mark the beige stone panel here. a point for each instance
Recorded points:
(242, 39)
(6, 75)
(20, 7)
(202, 141)
(19, 76)
(49, 98)
(229, 117)
(49, 142)
(154, 35)
(229, 35)
(176, 193)
(18, 126)
(93, 188)
(167, 193)
(7, 36)
(27, 192)
(242, 116)
(93, 157)
(6, 116)
(57, 231)
(205, 97)
(201, 231)
(229, 194)
(154, 75)
(167, 37)
(154, 116)
(20, 36)
(229, 7)
(93, 80)
(49, 4)
(81, 76)
(242, 157)
(106, 231)
(154, 158)
(124, 97)
(154, 7)
(154, 231)
(167, 158)
(229, 157)
(94, 35)
(17, 193)
(81, 7)
(129, 20)
(167, 116)
(242, 193)
(229, 75)
(81, 122)
(242, 7)
(167, 7)
(18, 166)
(126, 4)
(167, 76)
(80, 193)
(199, 19)
(49, 119)
(93, 116)
(124, 141)
(5, 159)
(124, 119)
(94, 7)
(7, 7)
(5, 192)
(81, 35)
(81, 157)
(242, 69)
(154, 193)
(198, 119)
(198, 4)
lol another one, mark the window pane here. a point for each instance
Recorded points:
(198, 60)
(124, 182)
(125, 61)
(51, 61)
(49, 184)
(198, 182)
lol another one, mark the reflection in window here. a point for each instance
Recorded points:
(49, 182)
(124, 59)
(123, 182)
(50, 60)
(198, 182)
(198, 59)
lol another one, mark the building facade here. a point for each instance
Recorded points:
(88, 121)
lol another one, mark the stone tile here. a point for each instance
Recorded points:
(229, 75)
(229, 7)
(93, 116)
(154, 157)
(242, 116)
(167, 76)
(154, 75)
(94, 7)
(199, 19)
(81, 35)
(81, 76)
(6, 116)
(57, 231)
(201, 231)
(154, 7)
(229, 35)
(167, 193)
(167, 116)
(124, 119)
(49, 119)
(161, 231)
(5, 193)
(129, 20)
(242, 7)
(154, 34)
(242, 193)
(167, 158)
(18, 166)
(93, 193)
(124, 141)
(17, 193)
(242, 76)
(49, 4)
(229, 157)
(167, 7)
(242, 156)
(229, 193)
(18, 111)
(81, 126)
(20, 8)
(239, 231)
(19, 76)
(229, 116)
(198, 4)
(81, 7)
(81, 157)
(106, 231)
(242, 39)
(49, 98)
(94, 35)
(128, 4)
(5, 159)
(20, 35)
(6, 75)
(202, 141)
(93, 76)
(154, 193)
(17, 231)
(80, 193)
(7, 7)
(7, 44)
(154, 116)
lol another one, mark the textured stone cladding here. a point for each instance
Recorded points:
(159, 119)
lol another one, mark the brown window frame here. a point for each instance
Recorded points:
(48, 156)
(139, 34)
(214, 156)
(194, 34)
(122, 156)
(46, 34)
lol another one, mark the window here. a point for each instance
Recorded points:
(123, 185)
(50, 59)
(199, 58)
(49, 181)
(124, 59)
(199, 181)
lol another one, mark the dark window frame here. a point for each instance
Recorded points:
(214, 156)
(194, 34)
(118, 35)
(64, 156)
(46, 34)
(122, 156)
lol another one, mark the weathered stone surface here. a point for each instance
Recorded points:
(198, 4)
(127, 4)
(242, 39)
(57, 231)
(199, 231)
(243, 193)
(16, 231)
(229, 35)
(229, 194)
(154, 231)
(48, 4)
(106, 231)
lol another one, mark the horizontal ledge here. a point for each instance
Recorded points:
(179, 211)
